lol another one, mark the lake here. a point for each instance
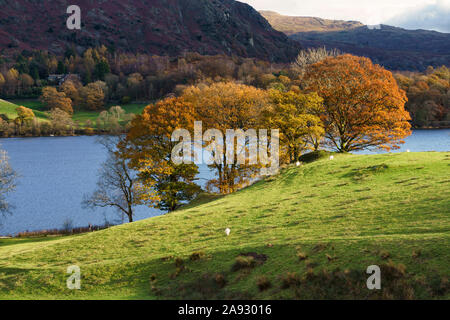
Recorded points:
(56, 172)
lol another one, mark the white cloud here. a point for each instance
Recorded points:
(369, 12)
(435, 16)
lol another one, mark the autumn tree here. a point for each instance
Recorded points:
(109, 122)
(265, 80)
(167, 186)
(71, 90)
(93, 95)
(24, 114)
(5, 127)
(53, 99)
(297, 116)
(61, 122)
(115, 119)
(222, 106)
(11, 81)
(149, 146)
(117, 112)
(364, 107)
(24, 117)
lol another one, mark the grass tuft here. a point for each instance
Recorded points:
(242, 262)
(290, 279)
(199, 255)
(302, 256)
(263, 283)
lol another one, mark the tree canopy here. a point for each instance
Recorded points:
(364, 107)
(149, 149)
(222, 106)
(297, 116)
(53, 99)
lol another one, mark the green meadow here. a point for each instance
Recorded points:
(9, 108)
(308, 233)
(81, 116)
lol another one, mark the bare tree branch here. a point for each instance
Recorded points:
(115, 185)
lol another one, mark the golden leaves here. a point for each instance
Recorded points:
(364, 105)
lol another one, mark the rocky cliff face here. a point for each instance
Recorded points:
(151, 26)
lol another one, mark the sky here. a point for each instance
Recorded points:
(409, 14)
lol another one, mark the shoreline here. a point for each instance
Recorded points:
(110, 134)
(57, 232)
(63, 136)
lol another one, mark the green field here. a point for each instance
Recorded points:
(8, 108)
(83, 116)
(311, 231)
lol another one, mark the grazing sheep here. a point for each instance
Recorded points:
(227, 231)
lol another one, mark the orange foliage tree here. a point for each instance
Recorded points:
(52, 99)
(93, 95)
(364, 107)
(223, 106)
(149, 147)
(70, 88)
(24, 117)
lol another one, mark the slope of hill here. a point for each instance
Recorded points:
(157, 27)
(394, 48)
(311, 232)
(291, 24)
(81, 116)
(9, 109)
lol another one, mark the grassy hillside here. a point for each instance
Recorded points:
(310, 232)
(81, 116)
(9, 109)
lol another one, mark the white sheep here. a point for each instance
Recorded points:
(227, 231)
(298, 163)
(331, 157)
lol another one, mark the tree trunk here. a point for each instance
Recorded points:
(130, 214)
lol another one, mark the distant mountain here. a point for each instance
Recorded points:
(394, 48)
(291, 25)
(153, 26)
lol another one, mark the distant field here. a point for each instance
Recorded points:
(81, 116)
(9, 108)
(308, 233)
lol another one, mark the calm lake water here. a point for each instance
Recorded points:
(56, 172)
